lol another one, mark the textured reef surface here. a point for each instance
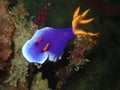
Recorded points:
(7, 29)
(16, 79)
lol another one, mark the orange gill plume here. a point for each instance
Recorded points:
(78, 19)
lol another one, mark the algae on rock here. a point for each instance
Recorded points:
(3, 87)
(18, 72)
(24, 29)
(38, 83)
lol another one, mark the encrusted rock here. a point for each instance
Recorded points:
(7, 29)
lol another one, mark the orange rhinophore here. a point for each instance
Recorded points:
(78, 19)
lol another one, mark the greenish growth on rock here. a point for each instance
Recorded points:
(18, 71)
(38, 65)
(3, 87)
(80, 63)
(38, 83)
(24, 29)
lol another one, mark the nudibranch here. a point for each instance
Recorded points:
(49, 43)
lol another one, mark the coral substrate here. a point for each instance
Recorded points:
(7, 29)
(38, 83)
(76, 59)
(19, 66)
